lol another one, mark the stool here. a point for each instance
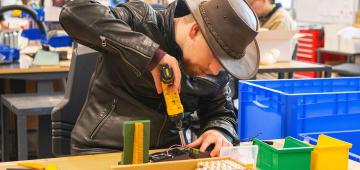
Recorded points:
(23, 105)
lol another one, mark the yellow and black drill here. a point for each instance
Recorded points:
(174, 107)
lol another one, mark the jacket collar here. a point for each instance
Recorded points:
(263, 19)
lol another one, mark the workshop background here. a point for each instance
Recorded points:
(307, 84)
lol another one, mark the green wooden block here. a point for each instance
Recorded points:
(146, 140)
(128, 134)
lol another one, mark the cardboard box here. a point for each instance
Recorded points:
(342, 38)
(349, 39)
(331, 36)
(283, 41)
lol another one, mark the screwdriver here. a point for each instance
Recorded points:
(174, 107)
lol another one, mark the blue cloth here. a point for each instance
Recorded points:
(117, 2)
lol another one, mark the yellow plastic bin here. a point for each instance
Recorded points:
(330, 154)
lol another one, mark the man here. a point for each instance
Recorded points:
(3, 23)
(197, 39)
(272, 16)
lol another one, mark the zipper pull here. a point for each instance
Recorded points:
(103, 41)
(114, 103)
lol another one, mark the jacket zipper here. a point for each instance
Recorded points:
(129, 48)
(138, 73)
(103, 41)
(100, 124)
(104, 44)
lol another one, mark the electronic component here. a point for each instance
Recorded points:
(178, 152)
(196, 154)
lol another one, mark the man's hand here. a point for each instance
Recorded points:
(173, 63)
(4, 25)
(211, 137)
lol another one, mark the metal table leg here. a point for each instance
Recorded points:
(22, 137)
(4, 134)
(327, 72)
(318, 56)
(281, 75)
(290, 75)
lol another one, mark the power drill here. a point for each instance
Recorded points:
(174, 107)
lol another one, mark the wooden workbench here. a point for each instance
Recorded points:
(88, 162)
(44, 74)
(98, 162)
(15, 68)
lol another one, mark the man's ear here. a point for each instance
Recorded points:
(194, 30)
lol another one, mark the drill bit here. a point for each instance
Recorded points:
(181, 133)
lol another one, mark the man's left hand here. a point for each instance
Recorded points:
(211, 136)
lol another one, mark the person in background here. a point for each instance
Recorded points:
(3, 23)
(272, 16)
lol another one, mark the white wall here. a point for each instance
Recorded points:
(286, 3)
(326, 11)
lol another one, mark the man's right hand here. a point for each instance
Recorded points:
(173, 63)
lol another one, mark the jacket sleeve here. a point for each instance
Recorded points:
(109, 30)
(217, 112)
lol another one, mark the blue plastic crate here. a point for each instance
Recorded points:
(10, 54)
(33, 34)
(60, 41)
(280, 108)
(352, 137)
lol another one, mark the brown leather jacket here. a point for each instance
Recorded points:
(122, 88)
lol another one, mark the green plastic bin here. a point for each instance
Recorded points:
(295, 155)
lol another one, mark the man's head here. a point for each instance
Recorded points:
(198, 57)
(219, 34)
(261, 7)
